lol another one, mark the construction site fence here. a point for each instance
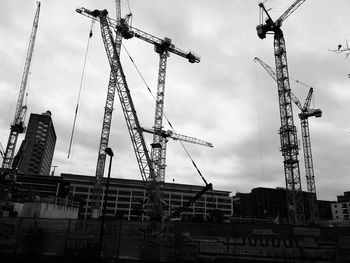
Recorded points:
(71, 240)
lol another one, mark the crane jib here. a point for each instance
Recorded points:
(129, 32)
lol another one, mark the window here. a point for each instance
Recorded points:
(199, 210)
(175, 196)
(137, 199)
(81, 189)
(137, 193)
(124, 193)
(123, 206)
(123, 199)
(175, 202)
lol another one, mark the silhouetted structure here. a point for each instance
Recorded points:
(37, 149)
(271, 204)
(126, 197)
(344, 198)
(341, 208)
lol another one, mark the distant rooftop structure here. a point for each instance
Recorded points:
(341, 208)
(344, 198)
(48, 113)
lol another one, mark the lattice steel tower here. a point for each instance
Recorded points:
(305, 113)
(288, 133)
(17, 127)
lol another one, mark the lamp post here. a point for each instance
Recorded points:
(110, 153)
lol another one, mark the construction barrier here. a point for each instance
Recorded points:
(64, 239)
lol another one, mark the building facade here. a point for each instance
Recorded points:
(37, 149)
(271, 204)
(341, 208)
(29, 187)
(126, 198)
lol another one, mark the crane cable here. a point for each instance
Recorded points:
(80, 88)
(188, 154)
(171, 126)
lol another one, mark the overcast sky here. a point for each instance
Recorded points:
(226, 99)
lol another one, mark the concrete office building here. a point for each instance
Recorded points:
(126, 196)
(341, 208)
(271, 204)
(37, 149)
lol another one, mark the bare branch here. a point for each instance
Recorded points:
(342, 49)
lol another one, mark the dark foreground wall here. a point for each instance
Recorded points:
(50, 240)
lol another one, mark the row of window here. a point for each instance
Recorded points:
(172, 197)
(343, 205)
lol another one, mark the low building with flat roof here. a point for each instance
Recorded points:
(126, 197)
(341, 208)
(271, 204)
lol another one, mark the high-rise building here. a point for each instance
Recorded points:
(37, 149)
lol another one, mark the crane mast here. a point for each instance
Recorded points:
(158, 150)
(106, 127)
(17, 127)
(288, 134)
(133, 124)
(306, 112)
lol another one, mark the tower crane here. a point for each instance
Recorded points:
(134, 128)
(162, 47)
(106, 126)
(288, 134)
(305, 113)
(132, 121)
(17, 127)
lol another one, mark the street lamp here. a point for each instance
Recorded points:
(110, 153)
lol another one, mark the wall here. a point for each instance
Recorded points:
(171, 241)
(341, 211)
(47, 210)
